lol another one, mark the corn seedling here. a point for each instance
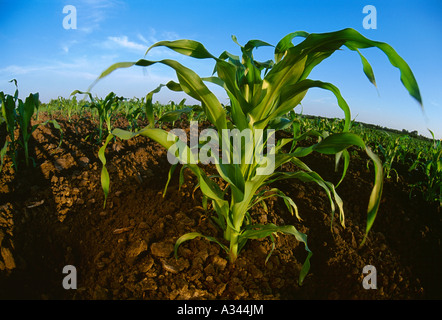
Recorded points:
(70, 106)
(106, 108)
(18, 114)
(9, 116)
(132, 110)
(25, 110)
(390, 155)
(175, 112)
(261, 95)
(431, 165)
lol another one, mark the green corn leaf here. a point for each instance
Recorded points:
(193, 235)
(239, 209)
(171, 85)
(252, 44)
(311, 176)
(297, 91)
(216, 80)
(208, 187)
(376, 193)
(346, 155)
(262, 231)
(82, 92)
(338, 142)
(3, 152)
(232, 174)
(111, 69)
(234, 59)
(264, 65)
(286, 43)
(253, 85)
(190, 83)
(169, 177)
(16, 89)
(105, 181)
(186, 47)
(354, 40)
(291, 206)
(279, 123)
(238, 116)
(9, 113)
(282, 75)
(181, 178)
(148, 106)
(366, 67)
(174, 115)
(229, 74)
(271, 250)
(25, 111)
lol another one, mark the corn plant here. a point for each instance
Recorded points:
(8, 104)
(25, 111)
(261, 95)
(390, 154)
(18, 114)
(132, 110)
(175, 112)
(106, 108)
(70, 106)
(431, 165)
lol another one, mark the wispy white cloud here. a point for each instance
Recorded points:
(15, 70)
(95, 12)
(434, 103)
(142, 43)
(78, 68)
(124, 42)
(142, 38)
(169, 35)
(66, 46)
(155, 36)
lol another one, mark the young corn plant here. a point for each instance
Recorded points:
(106, 108)
(261, 94)
(25, 111)
(389, 153)
(18, 115)
(431, 166)
(8, 104)
(132, 110)
(69, 106)
(175, 112)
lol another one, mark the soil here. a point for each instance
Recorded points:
(52, 215)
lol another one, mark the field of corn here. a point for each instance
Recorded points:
(87, 182)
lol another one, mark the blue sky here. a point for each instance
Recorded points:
(45, 57)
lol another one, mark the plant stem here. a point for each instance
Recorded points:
(26, 153)
(233, 252)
